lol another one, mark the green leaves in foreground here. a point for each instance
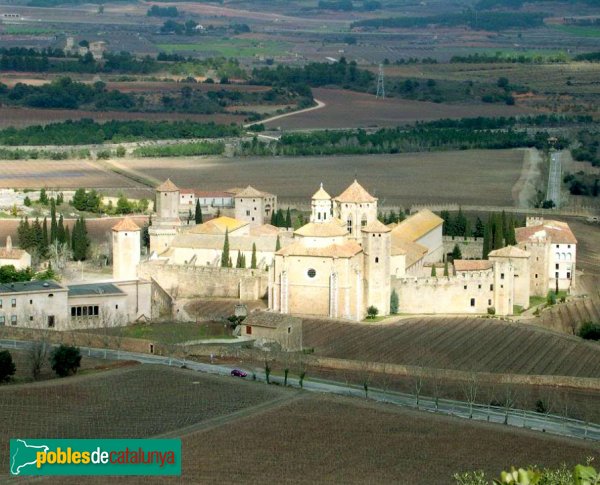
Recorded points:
(581, 475)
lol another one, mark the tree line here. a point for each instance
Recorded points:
(86, 131)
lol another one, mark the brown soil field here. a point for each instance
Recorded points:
(400, 179)
(63, 174)
(331, 439)
(133, 402)
(20, 117)
(468, 344)
(349, 109)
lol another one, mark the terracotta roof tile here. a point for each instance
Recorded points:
(345, 250)
(167, 186)
(509, 252)
(125, 224)
(472, 264)
(376, 226)
(418, 225)
(355, 193)
(557, 232)
(321, 229)
(321, 194)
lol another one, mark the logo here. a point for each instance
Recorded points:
(30, 457)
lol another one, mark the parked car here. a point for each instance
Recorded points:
(238, 373)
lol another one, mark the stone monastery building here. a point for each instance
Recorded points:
(345, 260)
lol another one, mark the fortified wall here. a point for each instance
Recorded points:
(455, 294)
(470, 247)
(205, 282)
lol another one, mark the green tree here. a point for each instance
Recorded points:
(446, 273)
(53, 222)
(238, 262)
(45, 242)
(7, 366)
(27, 201)
(198, 213)
(65, 360)
(394, 303)
(288, 218)
(60, 230)
(433, 271)
(372, 312)
(80, 241)
(43, 197)
(511, 238)
(479, 230)
(225, 253)
(456, 253)
(123, 205)
(253, 259)
(277, 244)
(487, 239)
(498, 232)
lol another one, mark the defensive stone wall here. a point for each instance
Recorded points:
(470, 247)
(204, 282)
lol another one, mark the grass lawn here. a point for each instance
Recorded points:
(230, 47)
(171, 332)
(536, 300)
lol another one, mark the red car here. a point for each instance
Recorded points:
(238, 373)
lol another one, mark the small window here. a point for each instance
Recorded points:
(489, 302)
(31, 302)
(289, 329)
(248, 330)
(556, 265)
(472, 301)
(557, 246)
(13, 320)
(568, 275)
(73, 311)
(2, 321)
(479, 287)
(465, 287)
(247, 213)
(96, 310)
(78, 311)
(569, 246)
(50, 321)
(0, 303)
(31, 318)
(536, 276)
(311, 273)
(116, 307)
(85, 311)
(501, 276)
(13, 303)
(491, 287)
(556, 275)
(377, 260)
(51, 295)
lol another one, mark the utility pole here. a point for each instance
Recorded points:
(380, 83)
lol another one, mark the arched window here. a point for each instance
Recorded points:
(363, 221)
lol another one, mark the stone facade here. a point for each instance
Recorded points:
(254, 206)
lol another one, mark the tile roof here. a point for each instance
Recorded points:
(187, 240)
(418, 225)
(94, 289)
(220, 225)
(355, 193)
(264, 230)
(270, 320)
(345, 250)
(472, 264)
(11, 253)
(321, 229)
(321, 194)
(557, 232)
(509, 252)
(28, 286)
(376, 226)
(125, 224)
(167, 186)
(250, 192)
(414, 251)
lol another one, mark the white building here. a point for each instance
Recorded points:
(18, 258)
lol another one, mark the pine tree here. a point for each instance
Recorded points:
(198, 213)
(460, 224)
(446, 268)
(433, 271)
(456, 253)
(445, 215)
(43, 197)
(479, 230)
(253, 260)
(225, 253)
(277, 244)
(288, 218)
(53, 223)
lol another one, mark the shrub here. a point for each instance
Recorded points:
(394, 303)
(372, 312)
(491, 310)
(7, 366)
(65, 360)
(551, 298)
(590, 331)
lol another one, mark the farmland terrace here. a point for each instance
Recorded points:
(467, 344)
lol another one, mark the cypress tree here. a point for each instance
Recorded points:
(243, 264)
(238, 262)
(189, 219)
(487, 239)
(38, 235)
(394, 302)
(445, 215)
(53, 223)
(198, 213)
(277, 244)
(280, 219)
(498, 232)
(479, 230)
(433, 271)
(230, 263)
(288, 218)
(79, 240)
(43, 197)
(446, 268)
(44, 243)
(60, 230)
(225, 253)
(456, 253)
(253, 260)
(273, 218)
(511, 237)
(67, 237)
(460, 224)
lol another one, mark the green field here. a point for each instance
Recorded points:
(578, 31)
(230, 47)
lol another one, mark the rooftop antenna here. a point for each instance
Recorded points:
(380, 83)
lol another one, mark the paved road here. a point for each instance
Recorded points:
(512, 417)
(554, 178)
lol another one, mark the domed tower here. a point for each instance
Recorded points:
(126, 250)
(356, 208)
(164, 228)
(377, 248)
(322, 208)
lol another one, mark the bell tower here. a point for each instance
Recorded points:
(167, 223)
(321, 205)
(377, 248)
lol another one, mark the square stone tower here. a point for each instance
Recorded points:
(165, 226)
(377, 248)
(126, 250)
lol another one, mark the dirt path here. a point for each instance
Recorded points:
(320, 104)
(526, 187)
